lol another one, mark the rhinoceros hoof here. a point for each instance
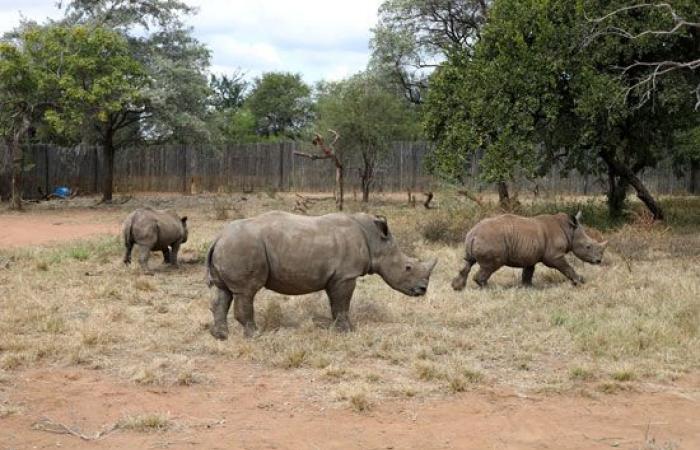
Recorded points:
(219, 333)
(344, 326)
(458, 284)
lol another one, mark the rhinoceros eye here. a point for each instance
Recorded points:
(408, 267)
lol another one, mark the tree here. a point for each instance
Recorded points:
(92, 81)
(19, 104)
(229, 118)
(228, 91)
(413, 37)
(174, 104)
(650, 71)
(688, 156)
(280, 103)
(531, 97)
(369, 118)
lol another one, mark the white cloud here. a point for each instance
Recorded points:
(320, 39)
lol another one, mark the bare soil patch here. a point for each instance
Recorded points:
(51, 227)
(250, 407)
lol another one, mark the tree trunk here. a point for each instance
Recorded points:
(617, 193)
(694, 183)
(15, 146)
(503, 196)
(16, 184)
(108, 167)
(339, 187)
(367, 177)
(627, 176)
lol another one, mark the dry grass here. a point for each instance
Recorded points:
(636, 319)
(145, 423)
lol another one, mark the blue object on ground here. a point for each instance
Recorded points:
(62, 191)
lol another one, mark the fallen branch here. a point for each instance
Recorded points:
(429, 198)
(471, 197)
(49, 426)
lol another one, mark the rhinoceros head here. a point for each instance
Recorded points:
(403, 273)
(583, 246)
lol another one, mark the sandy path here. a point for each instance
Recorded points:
(248, 407)
(42, 228)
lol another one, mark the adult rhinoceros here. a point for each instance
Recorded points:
(515, 241)
(292, 254)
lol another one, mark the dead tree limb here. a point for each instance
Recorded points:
(647, 84)
(429, 197)
(471, 197)
(329, 153)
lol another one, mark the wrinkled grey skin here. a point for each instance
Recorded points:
(515, 241)
(154, 230)
(293, 254)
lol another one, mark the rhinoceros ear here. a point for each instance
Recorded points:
(380, 222)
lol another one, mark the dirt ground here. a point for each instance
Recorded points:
(249, 406)
(23, 230)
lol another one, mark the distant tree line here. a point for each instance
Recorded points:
(604, 87)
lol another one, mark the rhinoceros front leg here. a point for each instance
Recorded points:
(166, 255)
(245, 314)
(144, 254)
(460, 281)
(339, 295)
(173, 253)
(563, 266)
(528, 272)
(219, 308)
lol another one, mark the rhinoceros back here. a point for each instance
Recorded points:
(288, 253)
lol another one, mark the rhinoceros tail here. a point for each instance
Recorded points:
(128, 236)
(210, 254)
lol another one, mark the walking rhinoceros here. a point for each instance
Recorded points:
(515, 241)
(292, 254)
(152, 229)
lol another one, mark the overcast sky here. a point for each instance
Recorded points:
(320, 39)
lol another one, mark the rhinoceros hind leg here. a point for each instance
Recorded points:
(127, 253)
(483, 275)
(527, 275)
(460, 281)
(219, 308)
(245, 314)
(339, 295)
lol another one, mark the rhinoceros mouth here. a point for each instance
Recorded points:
(417, 291)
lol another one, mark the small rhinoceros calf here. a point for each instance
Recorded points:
(515, 241)
(154, 230)
(292, 254)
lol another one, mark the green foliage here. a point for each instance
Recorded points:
(368, 117)
(280, 103)
(87, 73)
(533, 94)
(174, 104)
(413, 35)
(228, 91)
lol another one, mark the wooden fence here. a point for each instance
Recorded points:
(269, 166)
